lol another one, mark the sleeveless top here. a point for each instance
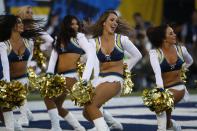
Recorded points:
(116, 54)
(71, 47)
(165, 66)
(13, 57)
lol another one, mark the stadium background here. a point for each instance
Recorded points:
(151, 10)
(128, 110)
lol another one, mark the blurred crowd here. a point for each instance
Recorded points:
(143, 75)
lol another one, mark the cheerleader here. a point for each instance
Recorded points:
(16, 52)
(167, 60)
(26, 13)
(110, 45)
(17, 126)
(69, 47)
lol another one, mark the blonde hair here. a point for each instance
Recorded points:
(22, 11)
(97, 29)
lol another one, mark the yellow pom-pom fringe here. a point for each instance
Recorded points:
(183, 73)
(128, 83)
(48, 85)
(80, 69)
(12, 94)
(38, 55)
(81, 94)
(52, 85)
(158, 99)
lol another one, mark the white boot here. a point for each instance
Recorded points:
(92, 129)
(74, 122)
(23, 120)
(17, 126)
(113, 123)
(109, 120)
(100, 124)
(175, 126)
(54, 117)
(30, 116)
(161, 121)
(9, 120)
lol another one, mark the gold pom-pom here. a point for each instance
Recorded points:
(34, 80)
(13, 94)
(128, 83)
(80, 69)
(183, 73)
(52, 85)
(38, 55)
(3, 95)
(81, 94)
(40, 59)
(158, 99)
(49, 85)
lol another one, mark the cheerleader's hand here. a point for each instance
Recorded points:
(185, 66)
(49, 73)
(84, 82)
(161, 89)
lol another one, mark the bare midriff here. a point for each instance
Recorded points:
(114, 66)
(67, 62)
(18, 69)
(172, 77)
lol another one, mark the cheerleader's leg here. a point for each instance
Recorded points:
(26, 114)
(9, 120)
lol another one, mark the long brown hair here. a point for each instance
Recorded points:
(66, 31)
(156, 35)
(97, 29)
(8, 22)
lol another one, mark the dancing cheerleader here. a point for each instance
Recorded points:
(167, 60)
(70, 45)
(16, 52)
(110, 45)
(17, 126)
(26, 14)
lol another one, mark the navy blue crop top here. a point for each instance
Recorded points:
(117, 53)
(72, 47)
(166, 67)
(13, 57)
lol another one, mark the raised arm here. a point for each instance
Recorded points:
(96, 62)
(31, 49)
(187, 57)
(156, 67)
(133, 52)
(5, 62)
(90, 53)
(52, 62)
(47, 41)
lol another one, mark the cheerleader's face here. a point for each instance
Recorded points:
(110, 24)
(28, 13)
(19, 27)
(75, 25)
(170, 36)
